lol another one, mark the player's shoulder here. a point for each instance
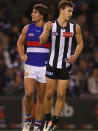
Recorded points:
(51, 22)
(48, 25)
(76, 26)
(25, 28)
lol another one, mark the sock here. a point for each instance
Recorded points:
(38, 123)
(48, 117)
(55, 119)
(28, 117)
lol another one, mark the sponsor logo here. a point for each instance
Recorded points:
(31, 34)
(68, 111)
(67, 34)
(55, 33)
(37, 30)
(49, 73)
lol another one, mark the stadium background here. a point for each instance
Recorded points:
(81, 108)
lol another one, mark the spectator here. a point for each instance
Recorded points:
(3, 69)
(93, 82)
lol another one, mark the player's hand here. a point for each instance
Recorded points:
(24, 58)
(71, 59)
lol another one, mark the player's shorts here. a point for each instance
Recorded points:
(35, 72)
(55, 73)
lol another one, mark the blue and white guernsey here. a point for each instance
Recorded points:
(37, 54)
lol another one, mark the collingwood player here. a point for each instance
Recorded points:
(64, 35)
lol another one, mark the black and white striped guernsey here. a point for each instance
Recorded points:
(62, 40)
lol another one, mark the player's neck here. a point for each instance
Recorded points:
(62, 22)
(40, 23)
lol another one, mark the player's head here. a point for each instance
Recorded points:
(40, 12)
(66, 9)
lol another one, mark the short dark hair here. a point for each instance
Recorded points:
(43, 10)
(64, 3)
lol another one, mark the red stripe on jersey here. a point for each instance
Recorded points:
(67, 34)
(36, 43)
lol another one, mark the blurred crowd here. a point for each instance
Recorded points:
(85, 71)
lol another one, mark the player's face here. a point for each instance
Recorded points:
(67, 12)
(36, 16)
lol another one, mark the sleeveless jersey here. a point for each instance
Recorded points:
(37, 55)
(62, 43)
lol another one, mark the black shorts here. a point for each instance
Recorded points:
(54, 73)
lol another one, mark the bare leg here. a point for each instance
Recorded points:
(28, 98)
(61, 91)
(50, 89)
(40, 101)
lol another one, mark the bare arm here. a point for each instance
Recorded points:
(20, 43)
(79, 47)
(79, 40)
(46, 32)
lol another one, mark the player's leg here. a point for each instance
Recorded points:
(41, 87)
(50, 89)
(30, 83)
(28, 102)
(61, 92)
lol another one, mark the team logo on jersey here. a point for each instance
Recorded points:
(26, 73)
(67, 34)
(31, 34)
(55, 33)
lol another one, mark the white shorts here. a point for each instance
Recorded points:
(35, 72)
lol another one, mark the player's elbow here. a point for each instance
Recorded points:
(82, 45)
(18, 46)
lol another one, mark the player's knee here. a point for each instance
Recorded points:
(41, 98)
(28, 96)
(61, 96)
(49, 95)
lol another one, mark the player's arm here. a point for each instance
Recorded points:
(20, 43)
(46, 32)
(79, 40)
(79, 46)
